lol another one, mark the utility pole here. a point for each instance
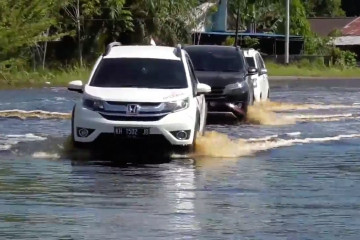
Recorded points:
(237, 24)
(287, 38)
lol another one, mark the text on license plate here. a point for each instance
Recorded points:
(132, 131)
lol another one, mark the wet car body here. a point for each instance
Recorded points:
(224, 69)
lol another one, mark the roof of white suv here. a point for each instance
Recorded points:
(156, 52)
(250, 52)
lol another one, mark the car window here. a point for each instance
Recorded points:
(216, 60)
(259, 61)
(140, 72)
(194, 80)
(262, 61)
(251, 62)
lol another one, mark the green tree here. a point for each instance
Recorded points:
(84, 14)
(169, 21)
(321, 8)
(23, 25)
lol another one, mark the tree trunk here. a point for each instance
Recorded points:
(45, 49)
(79, 32)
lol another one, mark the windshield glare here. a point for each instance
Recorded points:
(140, 73)
(216, 61)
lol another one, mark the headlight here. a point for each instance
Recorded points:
(177, 105)
(235, 85)
(93, 104)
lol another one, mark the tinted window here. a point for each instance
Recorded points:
(216, 60)
(250, 61)
(140, 72)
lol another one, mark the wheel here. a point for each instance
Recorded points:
(72, 126)
(250, 102)
(190, 148)
(268, 96)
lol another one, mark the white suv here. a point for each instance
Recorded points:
(260, 79)
(140, 93)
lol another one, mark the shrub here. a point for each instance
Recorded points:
(304, 63)
(229, 41)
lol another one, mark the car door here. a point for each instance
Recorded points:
(259, 64)
(251, 62)
(265, 79)
(200, 99)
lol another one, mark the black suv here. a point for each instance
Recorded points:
(224, 68)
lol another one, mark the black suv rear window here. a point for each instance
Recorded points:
(140, 72)
(216, 60)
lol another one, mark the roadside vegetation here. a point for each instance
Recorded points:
(299, 70)
(46, 41)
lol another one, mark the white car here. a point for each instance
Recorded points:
(260, 79)
(139, 93)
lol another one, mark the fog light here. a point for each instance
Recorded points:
(84, 132)
(181, 135)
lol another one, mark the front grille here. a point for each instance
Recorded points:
(132, 118)
(217, 90)
(127, 103)
(217, 93)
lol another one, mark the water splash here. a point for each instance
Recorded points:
(21, 114)
(45, 155)
(283, 106)
(263, 114)
(219, 145)
(272, 113)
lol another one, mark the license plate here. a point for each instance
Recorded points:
(132, 132)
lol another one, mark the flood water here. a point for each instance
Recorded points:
(291, 172)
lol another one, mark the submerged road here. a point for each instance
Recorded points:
(291, 172)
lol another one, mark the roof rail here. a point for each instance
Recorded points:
(110, 46)
(178, 51)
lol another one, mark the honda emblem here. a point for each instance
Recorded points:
(133, 109)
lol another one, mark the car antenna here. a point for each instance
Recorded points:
(110, 46)
(178, 51)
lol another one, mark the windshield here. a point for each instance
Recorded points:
(250, 61)
(216, 61)
(140, 72)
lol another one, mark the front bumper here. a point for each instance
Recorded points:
(159, 129)
(220, 99)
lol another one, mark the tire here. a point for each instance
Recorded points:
(72, 126)
(246, 105)
(268, 96)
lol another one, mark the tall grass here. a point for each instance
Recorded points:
(61, 77)
(41, 78)
(304, 69)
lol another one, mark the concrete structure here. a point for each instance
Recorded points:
(220, 18)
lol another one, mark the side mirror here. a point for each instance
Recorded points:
(203, 88)
(76, 86)
(263, 71)
(252, 71)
